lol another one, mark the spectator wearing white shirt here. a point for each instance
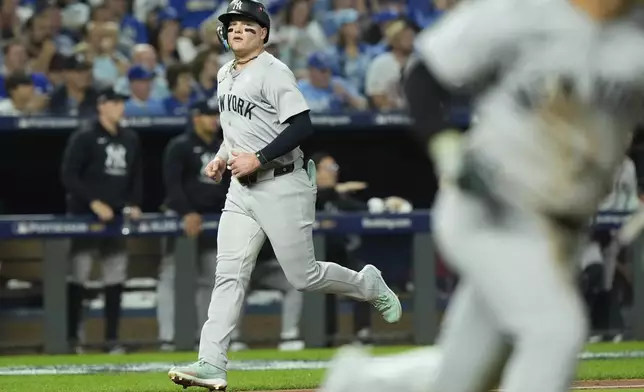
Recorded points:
(20, 89)
(383, 76)
(300, 35)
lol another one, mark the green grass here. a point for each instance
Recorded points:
(264, 354)
(94, 359)
(156, 382)
(246, 380)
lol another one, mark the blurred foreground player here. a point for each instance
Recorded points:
(190, 194)
(102, 175)
(519, 191)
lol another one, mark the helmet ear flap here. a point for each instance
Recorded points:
(222, 35)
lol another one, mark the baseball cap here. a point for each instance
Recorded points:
(320, 60)
(109, 94)
(205, 107)
(139, 72)
(77, 63)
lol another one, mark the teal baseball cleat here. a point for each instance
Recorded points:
(199, 374)
(387, 302)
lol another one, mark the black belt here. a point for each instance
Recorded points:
(279, 171)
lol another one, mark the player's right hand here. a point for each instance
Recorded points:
(192, 224)
(215, 169)
(445, 150)
(102, 210)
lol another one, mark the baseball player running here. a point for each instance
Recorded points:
(264, 119)
(520, 189)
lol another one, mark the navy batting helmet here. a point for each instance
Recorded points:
(251, 9)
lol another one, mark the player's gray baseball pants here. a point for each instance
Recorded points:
(269, 275)
(282, 209)
(111, 252)
(207, 251)
(517, 286)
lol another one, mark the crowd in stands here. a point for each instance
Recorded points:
(56, 55)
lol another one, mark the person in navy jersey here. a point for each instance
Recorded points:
(141, 102)
(132, 30)
(327, 93)
(16, 60)
(193, 12)
(180, 82)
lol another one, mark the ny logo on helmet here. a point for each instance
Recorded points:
(236, 5)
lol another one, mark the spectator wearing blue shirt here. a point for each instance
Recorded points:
(16, 60)
(325, 92)
(132, 30)
(204, 69)
(145, 56)
(352, 55)
(165, 37)
(102, 41)
(181, 95)
(141, 103)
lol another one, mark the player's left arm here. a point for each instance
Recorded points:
(469, 43)
(427, 99)
(281, 91)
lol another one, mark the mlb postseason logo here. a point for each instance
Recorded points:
(236, 5)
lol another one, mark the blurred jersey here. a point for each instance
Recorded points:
(525, 47)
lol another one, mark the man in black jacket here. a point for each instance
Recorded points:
(76, 96)
(190, 194)
(102, 175)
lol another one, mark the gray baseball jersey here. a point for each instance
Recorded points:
(563, 168)
(255, 103)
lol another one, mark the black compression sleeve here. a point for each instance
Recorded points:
(299, 129)
(427, 100)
